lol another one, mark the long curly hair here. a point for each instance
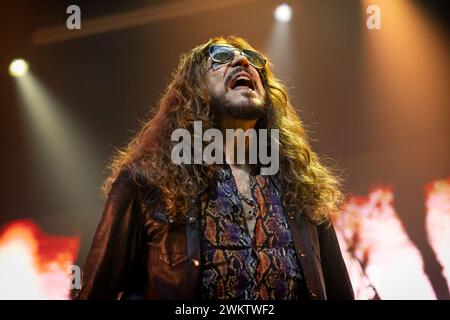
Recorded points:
(307, 186)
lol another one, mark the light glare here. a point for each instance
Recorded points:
(283, 13)
(18, 68)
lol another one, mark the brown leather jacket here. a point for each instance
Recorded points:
(138, 252)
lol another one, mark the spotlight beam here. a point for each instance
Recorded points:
(62, 150)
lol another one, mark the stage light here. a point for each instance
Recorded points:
(18, 68)
(283, 13)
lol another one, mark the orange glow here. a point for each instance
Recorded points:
(34, 265)
(407, 74)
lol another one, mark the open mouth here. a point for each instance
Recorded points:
(242, 81)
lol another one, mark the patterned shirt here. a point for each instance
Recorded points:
(238, 264)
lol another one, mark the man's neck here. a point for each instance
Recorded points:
(229, 146)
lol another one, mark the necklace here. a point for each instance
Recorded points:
(249, 203)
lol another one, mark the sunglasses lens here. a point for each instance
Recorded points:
(221, 53)
(255, 58)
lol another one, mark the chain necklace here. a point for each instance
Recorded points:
(250, 202)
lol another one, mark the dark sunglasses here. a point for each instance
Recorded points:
(226, 53)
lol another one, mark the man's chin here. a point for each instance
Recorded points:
(243, 109)
(244, 112)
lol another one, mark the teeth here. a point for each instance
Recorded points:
(245, 78)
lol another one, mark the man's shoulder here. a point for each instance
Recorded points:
(136, 183)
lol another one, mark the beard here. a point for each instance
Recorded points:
(250, 110)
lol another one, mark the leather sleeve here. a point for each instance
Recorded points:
(116, 243)
(337, 280)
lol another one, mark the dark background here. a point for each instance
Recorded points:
(383, 122)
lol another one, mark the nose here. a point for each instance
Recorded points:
(239, 59)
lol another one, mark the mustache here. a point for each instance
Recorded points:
(235, 71)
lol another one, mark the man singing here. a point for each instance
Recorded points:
(218, 230)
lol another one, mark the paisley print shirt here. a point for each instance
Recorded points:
(238, 264)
